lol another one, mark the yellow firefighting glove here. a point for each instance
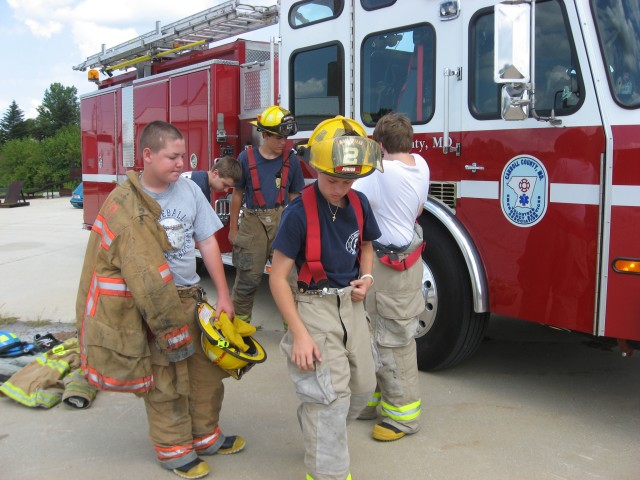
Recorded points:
(234, 330)
(243, 328)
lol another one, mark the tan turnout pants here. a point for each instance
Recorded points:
(251, 250)
(337, 391)
(393, 304)
(183, 408)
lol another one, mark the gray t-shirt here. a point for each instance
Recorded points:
(186, 216)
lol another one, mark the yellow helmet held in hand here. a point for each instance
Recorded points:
(276, 121)
(340, 147)
(236, 352)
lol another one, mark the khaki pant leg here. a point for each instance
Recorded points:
(168, 414)
(250, 254)
(394, 304)
(185, 402)
(362, 376)
(206, 391)
(326, 393)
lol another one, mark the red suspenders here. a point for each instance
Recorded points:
(312, 269)
(258, 198)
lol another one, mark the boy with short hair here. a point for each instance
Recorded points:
(137, 299)
(326, 234)
(395, 303)
(271, 178)
(224, 174)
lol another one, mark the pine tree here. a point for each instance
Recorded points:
(13, 125)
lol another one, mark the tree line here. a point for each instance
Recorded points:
(45, 149)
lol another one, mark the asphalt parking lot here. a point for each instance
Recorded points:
(533, 403)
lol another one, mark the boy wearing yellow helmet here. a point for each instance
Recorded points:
(269, 181)
(326, 234)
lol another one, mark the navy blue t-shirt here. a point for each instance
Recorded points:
(268, 171)
(201, 178)
(339, 239)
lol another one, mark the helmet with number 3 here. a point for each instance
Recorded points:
(340, 147)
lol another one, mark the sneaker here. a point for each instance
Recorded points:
(385, 432)
(232, 444)
(45, 342)
(195, 469)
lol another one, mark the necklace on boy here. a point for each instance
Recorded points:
(333, 214)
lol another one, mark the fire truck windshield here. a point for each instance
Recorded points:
(618, 26)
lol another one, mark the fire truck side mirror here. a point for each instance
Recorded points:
(515, 102)
(512, 58)
(512, 43)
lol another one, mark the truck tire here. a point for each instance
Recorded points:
(449, 330)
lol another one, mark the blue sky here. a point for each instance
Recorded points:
(43, 39)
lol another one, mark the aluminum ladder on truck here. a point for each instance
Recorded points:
(223, 21)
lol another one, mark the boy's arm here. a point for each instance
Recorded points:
(212, 258)
(304, 351)
(236, 203)
(362, 285)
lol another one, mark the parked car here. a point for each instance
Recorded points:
(77, 197)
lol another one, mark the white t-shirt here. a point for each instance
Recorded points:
(396, 195)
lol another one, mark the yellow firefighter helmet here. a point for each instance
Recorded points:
(276, 121)
(340, 147)
(228, 343)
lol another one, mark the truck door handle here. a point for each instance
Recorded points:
(474, 167)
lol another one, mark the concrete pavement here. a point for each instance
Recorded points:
(534, 403)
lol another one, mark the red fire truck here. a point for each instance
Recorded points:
(527, 113)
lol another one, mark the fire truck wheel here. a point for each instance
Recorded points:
(449, 330)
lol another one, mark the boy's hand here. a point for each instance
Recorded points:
(225, 305)
(305, 352)
(360, 288)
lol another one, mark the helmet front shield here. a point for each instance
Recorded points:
(287, 127)
(348, 156)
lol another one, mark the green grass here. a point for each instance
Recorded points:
(6, 320)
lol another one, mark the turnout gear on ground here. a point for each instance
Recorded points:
(77, 391)
(276, 121)
(125, 261)
(339, 147)
(50, 378)
(228, 343)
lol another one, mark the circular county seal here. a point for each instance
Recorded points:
(524, 191)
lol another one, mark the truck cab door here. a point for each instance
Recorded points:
(316, 45)
(411, 63)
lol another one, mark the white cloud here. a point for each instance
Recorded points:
(89, 37)
(46, 29)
